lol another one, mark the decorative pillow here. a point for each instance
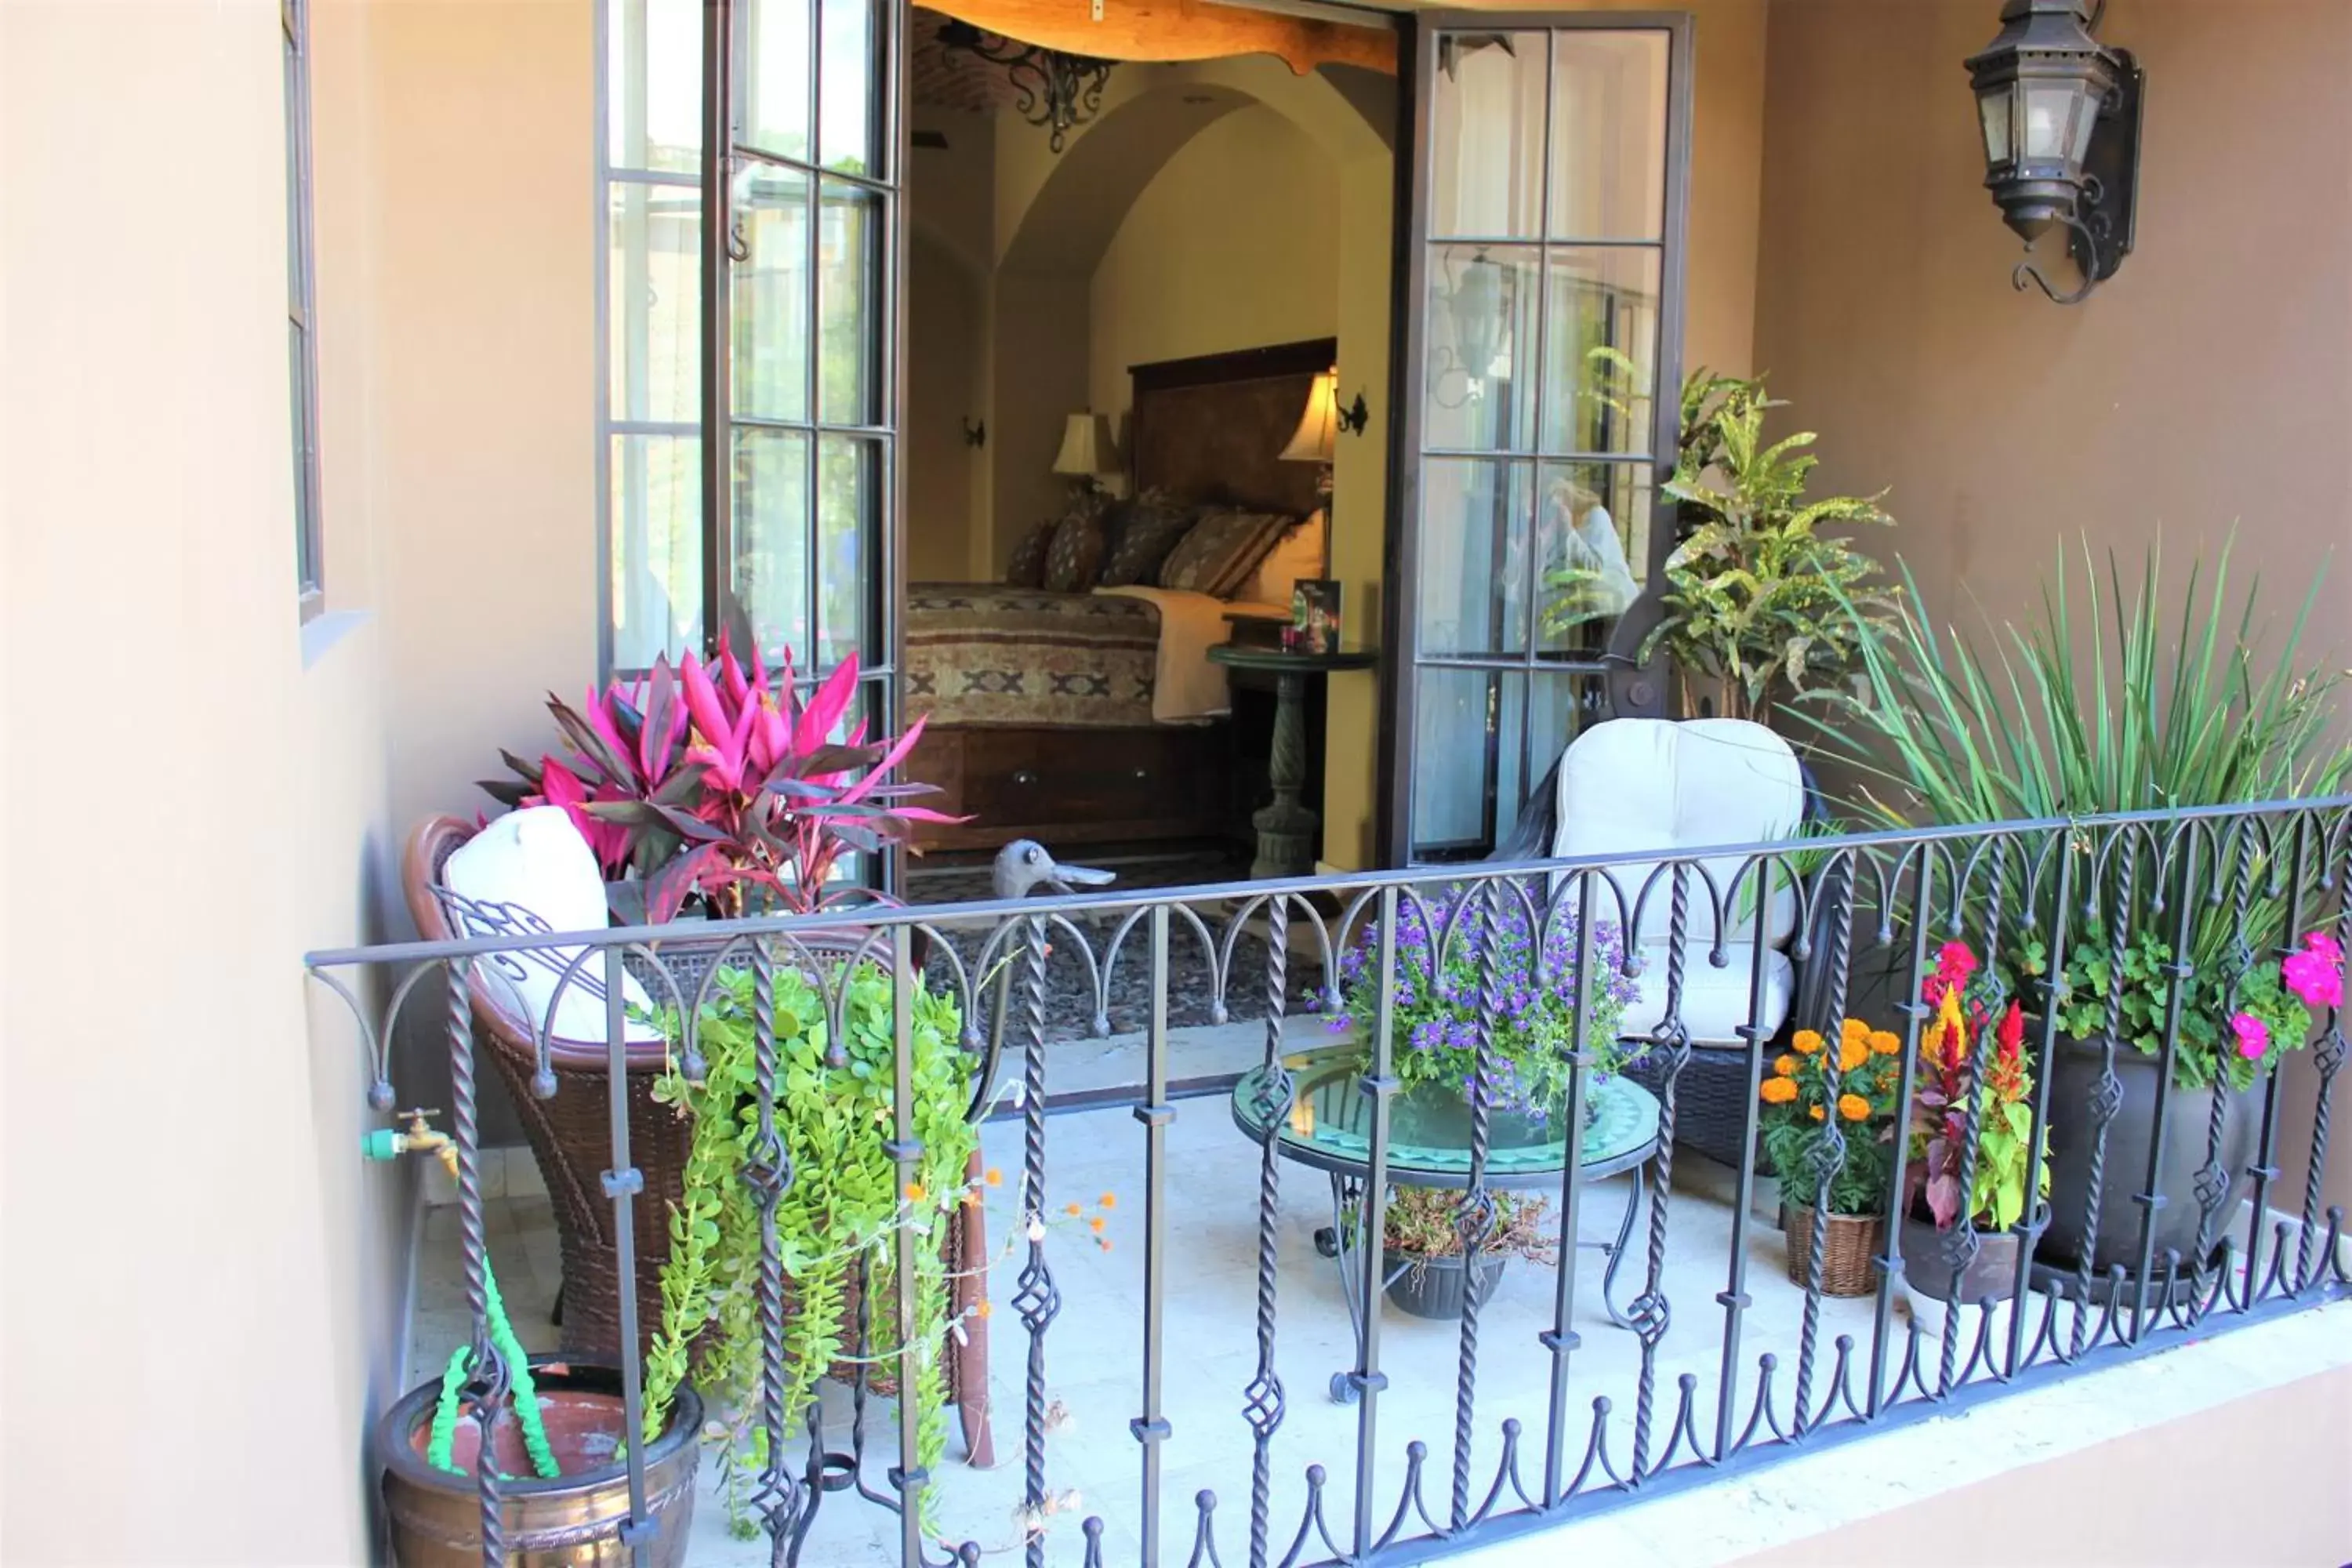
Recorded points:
(1149, 527)
(1078, 551)
(1297, 553)
(535, 859)
(1026, 569)
(1221, 552)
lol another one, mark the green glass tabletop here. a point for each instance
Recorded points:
(1329, 1126)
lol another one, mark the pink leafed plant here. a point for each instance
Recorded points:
(721, 781)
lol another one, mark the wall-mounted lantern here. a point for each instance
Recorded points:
(2060, 113)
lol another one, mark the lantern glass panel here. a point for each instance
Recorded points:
(2050, 112)
(1992, 107)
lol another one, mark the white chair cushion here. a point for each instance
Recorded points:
(535, 859)
(1634, 786)
(1714, 1000)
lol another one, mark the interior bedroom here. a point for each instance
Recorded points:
(1148, 317)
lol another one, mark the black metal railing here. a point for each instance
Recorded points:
(2207, 897)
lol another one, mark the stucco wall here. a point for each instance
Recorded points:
(2206, 388)
(202, 1281)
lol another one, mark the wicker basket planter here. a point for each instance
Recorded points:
(1848, 1252)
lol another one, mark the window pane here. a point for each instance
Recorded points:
(772, 294)
(774, 50)
(297, 382)
(1600, 357)
(1476, 519)
(1608, 135)
(1592, 541)
(655, 236)
(849, 500)
(849, 251)
(772, 534)
(851, 136)
(657, 548)
(1487, 119)
(1486, 739)
(1478, 385)
(653, 78)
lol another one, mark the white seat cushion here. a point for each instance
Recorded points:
(534, 859)
(1637, 786)
(1714, 1000)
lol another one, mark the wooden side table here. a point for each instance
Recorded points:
(1285, 830)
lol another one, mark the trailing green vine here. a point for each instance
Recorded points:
(841, 1215)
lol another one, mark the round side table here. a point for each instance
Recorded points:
(1285, 830)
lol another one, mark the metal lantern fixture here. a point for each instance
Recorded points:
(2060, 113)
(1060, 91)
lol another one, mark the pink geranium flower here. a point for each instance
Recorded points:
(2316, 973)
(2253, 1037)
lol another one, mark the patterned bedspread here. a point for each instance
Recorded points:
(982, 653)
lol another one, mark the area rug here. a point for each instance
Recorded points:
(1069, 987)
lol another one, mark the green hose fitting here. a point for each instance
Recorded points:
(384, 1143)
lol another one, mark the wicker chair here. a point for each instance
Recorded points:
(570, 1135)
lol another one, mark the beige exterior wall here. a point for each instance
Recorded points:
(2206, 388)
(203, 1280)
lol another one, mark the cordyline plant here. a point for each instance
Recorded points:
(723, 782)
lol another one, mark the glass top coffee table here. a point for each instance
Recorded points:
(1328, 1127)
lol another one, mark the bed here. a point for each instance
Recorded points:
(1095, 716)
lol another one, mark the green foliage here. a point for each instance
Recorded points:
(2095, 708)
(2207, 1051)
(847, 1203)
(1426, 1222)
(1832, 1103)
(1758, 599)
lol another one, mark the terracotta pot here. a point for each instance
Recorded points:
(570, 1523)
(2130, 1136)
(1990, 1275)
(1847, 1250)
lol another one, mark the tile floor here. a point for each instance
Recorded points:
(1093, 1350)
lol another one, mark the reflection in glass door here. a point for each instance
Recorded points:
(1549, 194)
(800, 389)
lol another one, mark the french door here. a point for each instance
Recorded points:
(1542, 278)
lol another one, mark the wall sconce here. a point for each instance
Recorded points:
(2060, 117)
(1352, 419)
(974, 434)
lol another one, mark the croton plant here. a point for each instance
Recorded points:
(721, 781)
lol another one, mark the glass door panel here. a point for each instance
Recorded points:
(1547, 228)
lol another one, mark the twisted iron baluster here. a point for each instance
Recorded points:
(489, 1366)
(1828, 1158)
(2035, 1216)
(2213, 1178)
(768, 1171)
(2329, 1057)
(1036, 1298)
(2106, 1098)
(1914, 1016)
(906, 1152)
(1262, 1399)
(1650, 1311)
(1959, 1244)
(1474, 1219)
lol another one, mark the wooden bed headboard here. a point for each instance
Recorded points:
(1211, 429)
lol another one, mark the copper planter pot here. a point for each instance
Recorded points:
(571, 1522)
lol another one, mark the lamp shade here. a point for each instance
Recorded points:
(1318, 426)
(1086, 446)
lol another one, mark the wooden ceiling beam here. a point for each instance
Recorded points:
(1179, 30)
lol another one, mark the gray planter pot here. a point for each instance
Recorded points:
(2130, 1138)
(1432, 1287)
(1990, 1275)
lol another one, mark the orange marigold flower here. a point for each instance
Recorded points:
(1108, 1201)
(1854, 1108)
(1095, 1225)
(1103, 1242)
(995, 1178)
(1785, 1065)
(1885, 1042)
(1778, 1090)
(1815, 1112)
(1852, 1054)
(1852, 1030)
(1073, 1210)
(914, 1191)
(983, 1310)
(1807, 1041)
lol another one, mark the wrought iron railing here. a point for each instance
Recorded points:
(2229, 890)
